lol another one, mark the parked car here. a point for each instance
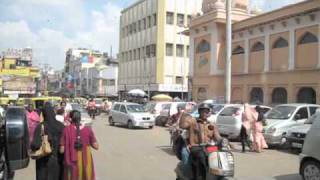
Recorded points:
(282, 117)
(229, 120)
(170, 109)
(215, 111)
(310, 156)
(296, 135)
(156, 107)
(130, 114)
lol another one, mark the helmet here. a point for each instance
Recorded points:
(204, 106)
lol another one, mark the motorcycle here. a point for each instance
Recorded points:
(220, 161)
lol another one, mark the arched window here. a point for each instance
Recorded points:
(203, 47)
(307, 95)
(256, 95)
(279, 96)
(258, 46)
(202, 93)
(280, 43)
(238, 50)
(308, 38)
(203, 62)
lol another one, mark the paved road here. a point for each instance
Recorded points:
(143, 154)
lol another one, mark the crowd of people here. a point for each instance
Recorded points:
(70, 141)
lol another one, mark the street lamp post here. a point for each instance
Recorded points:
(228, 53)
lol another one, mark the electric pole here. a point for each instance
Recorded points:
(228, 53)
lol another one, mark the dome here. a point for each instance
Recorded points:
(210, 5)
(256, 11)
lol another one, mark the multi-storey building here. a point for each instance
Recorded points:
(17, 75)
(78, 63)
(275, 55)
(89, 72)
(103, 79)
(154, 54)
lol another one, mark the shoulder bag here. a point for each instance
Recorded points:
(45, 148)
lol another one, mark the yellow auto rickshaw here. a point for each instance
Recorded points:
(4, 101)
(38, 102)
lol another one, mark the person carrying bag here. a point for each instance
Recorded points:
(45, 148)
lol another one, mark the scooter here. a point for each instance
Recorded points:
(220, 162)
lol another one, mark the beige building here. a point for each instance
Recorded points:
(275, 55)
(153, 53)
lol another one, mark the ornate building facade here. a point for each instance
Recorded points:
(275, 55)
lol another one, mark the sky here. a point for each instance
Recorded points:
(51, 27)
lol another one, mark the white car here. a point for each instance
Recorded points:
(170, 109)
(132, 115)
(156, 107)
(229, 121)
(310, 155)
(296, 135)
(215, 111)
(283, 117)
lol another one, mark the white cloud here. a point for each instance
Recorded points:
(50, 43)
(66, 15)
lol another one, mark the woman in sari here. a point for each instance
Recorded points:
(76, 143)
(33, 121)
(259, 142)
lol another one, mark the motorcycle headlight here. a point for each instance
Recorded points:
(224, 142)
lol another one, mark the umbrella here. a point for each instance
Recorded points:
(162, 97)
(137, 92)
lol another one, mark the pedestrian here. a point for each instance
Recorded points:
(76, 144)
(33, 120)
(245, 132)
(66, 114)
(48, 167)
(174, 119)
(60, 115)
(259, 142)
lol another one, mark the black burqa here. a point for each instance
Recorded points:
(49, 167)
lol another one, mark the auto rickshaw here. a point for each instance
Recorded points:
(4, 101)
(23, 101)
(38, 102)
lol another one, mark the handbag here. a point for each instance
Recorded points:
(45, 148)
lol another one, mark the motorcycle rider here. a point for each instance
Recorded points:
(201, 133)
(92, 108)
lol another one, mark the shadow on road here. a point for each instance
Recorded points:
(288, 177)
(167, 149)
(125, 127)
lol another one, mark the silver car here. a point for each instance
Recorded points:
(229, 120)
(132, 115)
(310, 156)
(297, 134)
(283, 117)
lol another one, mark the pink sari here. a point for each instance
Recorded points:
(259, 142)
(33, 121)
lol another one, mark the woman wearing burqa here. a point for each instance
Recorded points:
(49, 167)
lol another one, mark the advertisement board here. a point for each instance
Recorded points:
(19, 85)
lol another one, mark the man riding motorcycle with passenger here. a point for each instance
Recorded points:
(201, 133)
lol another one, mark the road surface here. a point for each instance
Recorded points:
(144, 154)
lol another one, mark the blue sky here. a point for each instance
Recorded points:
(50, 27)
